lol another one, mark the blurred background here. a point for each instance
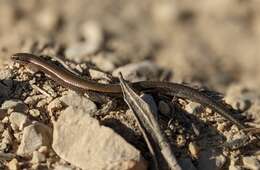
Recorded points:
(214, 43)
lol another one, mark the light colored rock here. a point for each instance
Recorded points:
(16, 105)
(104, 62)
(95, 74)
(5, 74)
(210, 160)
(75, 100)
(34, 136)
(251, 162)
(80, 140)
(13, 164)
(54, 106)
(18, 120)
(138, 71)
(35, 112)
(93, 35)
(192, 107)
(38, 157)
(194, 149)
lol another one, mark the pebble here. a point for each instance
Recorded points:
(133, 72)
(164, 108)
(38, 157)
(210, 160)
(54, 106)
(75, 100)
(13, 164)
(239, 97)
(251, 162)
(93, 35)
(34, 112)
(192, 107)
(34, 136)
(194, 149)
(18, 120)
(47, 19)
(5, 74)
(99, 147)
(104, 62)
(180, 140)
(15, 105)
(95, 74)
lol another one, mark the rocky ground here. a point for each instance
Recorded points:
(205, 44)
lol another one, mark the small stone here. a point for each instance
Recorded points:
(5, 74)
(7, 137)
(138, 71)
(13, 164)
(222, 126)
(38, 157)
(103, 62)
(75, 100)
(93, 35)
(251, 162)
(34, 136)
(54, 106)
(95, 74)
(181, 141)
(43, 149)
(99, 147)
(164, 108)
(194, 150)
(18, 120)
(192, 107)
(16, 105)
(47, 19)
(35, 112)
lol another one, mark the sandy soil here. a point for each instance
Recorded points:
(212, 44)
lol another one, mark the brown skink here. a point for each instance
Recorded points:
(69, 80)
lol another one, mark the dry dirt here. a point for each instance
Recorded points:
(214, 44)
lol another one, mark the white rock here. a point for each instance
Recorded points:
(34, 136)
(138, 71)
(93, 35)
(251, 162)
(16, 105)
(13, 164)
(192, 107)
(75, 100)
(38, 157)
(104, 62)
(80, 140)
(18, 120)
